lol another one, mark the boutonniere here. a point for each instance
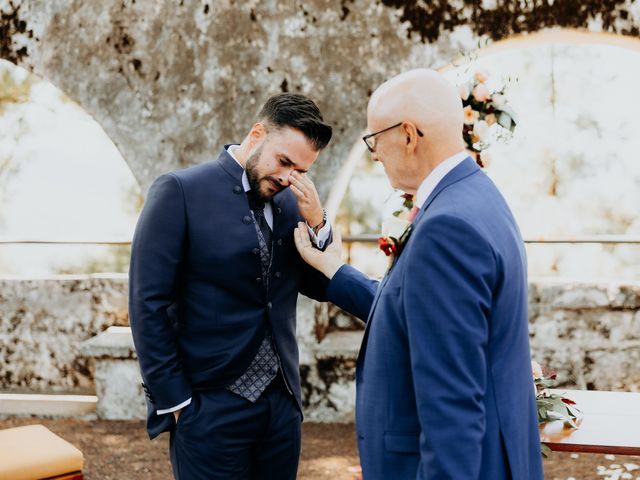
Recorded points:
(394, 232)
(396, 229)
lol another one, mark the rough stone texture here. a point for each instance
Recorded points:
(42, 324)
(119, 390)
(171, 81)
(589, 334)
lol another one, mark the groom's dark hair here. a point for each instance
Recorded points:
(297, 111)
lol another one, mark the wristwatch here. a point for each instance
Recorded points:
(322, 223)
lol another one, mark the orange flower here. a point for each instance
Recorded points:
(470, 115)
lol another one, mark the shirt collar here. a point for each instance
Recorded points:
(437, 174)
(245, 180)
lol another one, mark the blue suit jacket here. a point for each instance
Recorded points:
(444, 385)
(197, 306)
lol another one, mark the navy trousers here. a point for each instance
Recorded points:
(221, 435)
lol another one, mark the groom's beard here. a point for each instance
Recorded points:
(255, 181)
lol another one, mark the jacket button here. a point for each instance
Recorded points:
(279, 241)
(277, 274)
(237, 189)
(246, 219)
(259, 279)
(255, 251)
(270, 305)
(279, 210)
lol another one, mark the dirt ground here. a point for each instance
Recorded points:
(121, 450)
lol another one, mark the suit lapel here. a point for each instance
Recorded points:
(464, 169)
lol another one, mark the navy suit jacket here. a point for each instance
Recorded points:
(197, 305)
(444, 384)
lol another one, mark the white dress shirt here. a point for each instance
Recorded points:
(432, 180)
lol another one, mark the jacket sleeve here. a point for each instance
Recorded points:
(352, 291)
(447, 297)
(156, 256)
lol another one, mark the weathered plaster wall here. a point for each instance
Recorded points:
(589, 333)
(172, 81)
(42, 324)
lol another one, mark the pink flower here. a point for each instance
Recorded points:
(490, 119)
(481, 93)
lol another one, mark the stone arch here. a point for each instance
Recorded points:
(572, 36)
(59, 217)
(170, 83)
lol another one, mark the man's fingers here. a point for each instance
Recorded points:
(297, 192)
(301, 237)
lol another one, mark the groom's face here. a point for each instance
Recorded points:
(276, 154)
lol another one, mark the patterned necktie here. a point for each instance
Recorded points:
(265, 364)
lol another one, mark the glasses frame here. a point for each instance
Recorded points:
(372, 149)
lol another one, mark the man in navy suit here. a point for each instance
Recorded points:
(444, 384)
(214, 280)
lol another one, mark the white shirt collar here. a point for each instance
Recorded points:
(432, 180)
(245, 181)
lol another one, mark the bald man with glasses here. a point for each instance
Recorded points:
(444, 386)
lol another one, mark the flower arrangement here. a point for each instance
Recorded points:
(484, 108)
(396, 229)
(551, 406)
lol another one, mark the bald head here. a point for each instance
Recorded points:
(425, 98)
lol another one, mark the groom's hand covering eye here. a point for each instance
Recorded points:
(327, 262)
(308, 199)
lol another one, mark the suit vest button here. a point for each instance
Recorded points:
(255, 251)
(246, 219)
(277, 274)
(270, 305)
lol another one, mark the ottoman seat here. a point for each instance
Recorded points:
(34, 452)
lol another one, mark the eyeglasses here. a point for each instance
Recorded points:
(370, 143)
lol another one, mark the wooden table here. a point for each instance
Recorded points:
(610, 423)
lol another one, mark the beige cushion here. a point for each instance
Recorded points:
(34, 452)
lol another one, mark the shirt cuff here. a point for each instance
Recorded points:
(322, 236)
(173, 409)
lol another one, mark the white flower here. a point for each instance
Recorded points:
(498, 99)
(490, 119)
(464, 91)
(470, 115)
(485, 158)
(394, 227)
(481, 129)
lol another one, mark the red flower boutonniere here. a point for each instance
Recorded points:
(396, 229)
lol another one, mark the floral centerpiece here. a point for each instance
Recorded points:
(484, 108)
(551, 406)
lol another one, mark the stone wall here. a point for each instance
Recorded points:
(171, 81)
(42, 324)
(588, 332)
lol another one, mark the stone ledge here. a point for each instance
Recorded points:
(339, 345)
(114, 342)
(48, 405)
